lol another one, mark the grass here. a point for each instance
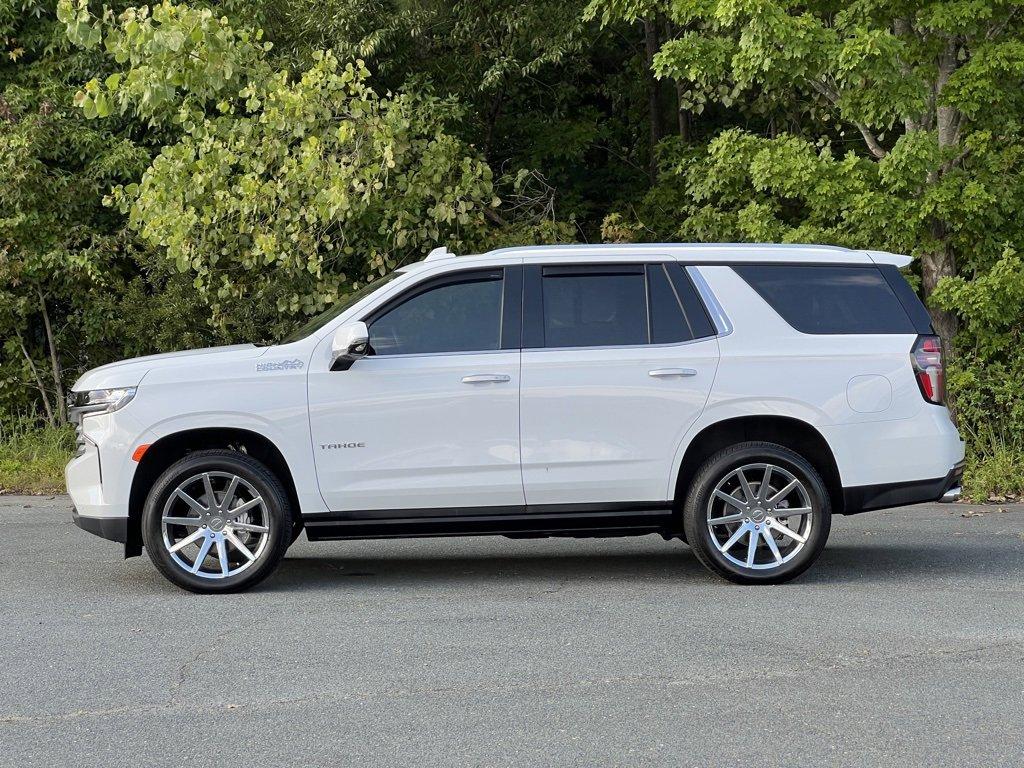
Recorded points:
(32, 458)
(996, 475)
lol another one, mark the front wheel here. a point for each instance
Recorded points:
(757, 513)
(217, 521)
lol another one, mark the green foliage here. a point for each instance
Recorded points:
(472, 47)
(845, 82)
(539, 88)
(283, 193)
(32, 457)
(58, 243)
(994, 474)
(989, 367)
(176, 59)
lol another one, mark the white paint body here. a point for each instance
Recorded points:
(567, 426)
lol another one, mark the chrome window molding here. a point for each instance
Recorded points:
(721, 320)
(407, 355)
(606, 347)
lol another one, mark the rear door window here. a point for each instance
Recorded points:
(608, 305)
(591, 308)
(829, 299)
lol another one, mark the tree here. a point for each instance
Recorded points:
(931, 92)
(284, 192)
(58, 244)
(480, 51)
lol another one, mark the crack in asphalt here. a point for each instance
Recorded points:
(183, 668)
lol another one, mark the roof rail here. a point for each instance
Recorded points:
(441, 252)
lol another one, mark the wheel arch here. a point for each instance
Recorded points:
(169, 448)
(793, 433)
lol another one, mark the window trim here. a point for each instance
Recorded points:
(533, 301)
(509, 329)
(716, 312)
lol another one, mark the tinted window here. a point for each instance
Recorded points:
(462, 316)
(668, 323)
(674, 300)
(594, 309)
(911, 304)
(829, 299)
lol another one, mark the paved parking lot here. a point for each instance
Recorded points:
(903, 646)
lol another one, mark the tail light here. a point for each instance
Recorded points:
(926, 358)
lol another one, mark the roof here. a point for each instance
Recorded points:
(692, 252)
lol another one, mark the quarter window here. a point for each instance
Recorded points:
(829, 300)
(456, 315)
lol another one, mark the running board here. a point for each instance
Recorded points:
(630, 520)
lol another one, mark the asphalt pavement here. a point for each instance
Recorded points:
(903, 646)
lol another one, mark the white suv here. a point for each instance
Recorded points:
(733, 396)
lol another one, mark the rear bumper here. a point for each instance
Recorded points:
(113, 528)
(864, 498)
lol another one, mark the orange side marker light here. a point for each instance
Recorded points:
(140, 452)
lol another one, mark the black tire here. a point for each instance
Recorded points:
(696, 511)
(278, 519)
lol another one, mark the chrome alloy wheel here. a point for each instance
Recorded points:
(215, 511)
(766, 505)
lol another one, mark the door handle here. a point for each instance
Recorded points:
(659, 373)
(486, 378)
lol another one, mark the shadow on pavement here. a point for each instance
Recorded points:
(676, 563)
(838, 564)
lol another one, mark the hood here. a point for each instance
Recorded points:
(128, 373)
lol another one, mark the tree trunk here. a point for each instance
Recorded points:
(38, 380)
(62, 414)
(685, 116)
(934, 267)
(493, 114)
(654, 111)
(942, 262)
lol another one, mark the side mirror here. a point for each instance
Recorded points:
(351, 342)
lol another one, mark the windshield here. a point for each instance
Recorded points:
(318, 322)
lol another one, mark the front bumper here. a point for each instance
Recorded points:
(864, 498)
(90, 509)
(113, 528)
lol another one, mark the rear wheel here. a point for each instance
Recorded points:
(217, 521)
(757, 513)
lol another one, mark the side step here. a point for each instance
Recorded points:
(521, 524)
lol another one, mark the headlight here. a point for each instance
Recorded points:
(99, 401)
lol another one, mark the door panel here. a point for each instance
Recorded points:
(422, 437)
(431, 418)
(598, 427)
(603, 409)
